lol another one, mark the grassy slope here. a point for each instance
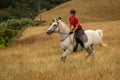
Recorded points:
(36, 56)
(87, 10)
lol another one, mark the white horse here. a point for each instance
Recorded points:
(68, 41)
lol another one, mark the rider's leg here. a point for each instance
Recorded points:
(79, 34)
(82, 44)
(76, 46)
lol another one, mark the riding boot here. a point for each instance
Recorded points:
(82, 45)
(75, 48)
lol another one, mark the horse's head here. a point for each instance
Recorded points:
(54, 26)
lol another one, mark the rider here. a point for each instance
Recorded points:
(77, 28)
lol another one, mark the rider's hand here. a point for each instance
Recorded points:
(70, 32)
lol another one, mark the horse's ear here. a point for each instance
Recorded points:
(54, 20)
(59, 18)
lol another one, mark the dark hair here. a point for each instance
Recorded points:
(73, 11)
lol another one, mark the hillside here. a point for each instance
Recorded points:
(87, 10)
(36, 56)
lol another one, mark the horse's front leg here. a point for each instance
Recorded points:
(64, 55)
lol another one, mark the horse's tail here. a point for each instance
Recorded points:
(100, 33)
(103, 44)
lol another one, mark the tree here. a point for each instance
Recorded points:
(25, 8)
(4, 3)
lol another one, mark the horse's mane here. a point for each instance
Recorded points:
(63, 24)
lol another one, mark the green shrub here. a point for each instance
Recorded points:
(17, 24)
(2, 42)
(5, 16)
(6, 36)
(10, 28)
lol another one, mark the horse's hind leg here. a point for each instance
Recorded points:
(89, 52)
(93, 47)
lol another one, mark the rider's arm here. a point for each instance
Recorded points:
(77, 24)
(75, 28)
(70, 26)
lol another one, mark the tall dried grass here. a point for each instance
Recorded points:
(36, 56)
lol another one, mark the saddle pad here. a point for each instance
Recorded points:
(84, 37)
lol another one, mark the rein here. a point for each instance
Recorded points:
(65, 38)
(63, 33)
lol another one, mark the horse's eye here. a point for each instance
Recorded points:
(55, 25)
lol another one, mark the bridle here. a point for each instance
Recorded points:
(62, 33)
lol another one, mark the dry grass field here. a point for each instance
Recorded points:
(36, 55)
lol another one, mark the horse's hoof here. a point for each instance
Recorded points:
(63, 59)
(87, 57)
(93, 56)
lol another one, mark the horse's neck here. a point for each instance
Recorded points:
(63, 29)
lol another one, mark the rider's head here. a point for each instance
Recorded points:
(73, 12)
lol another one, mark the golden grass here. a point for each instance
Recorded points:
(36, 56)
(87, 11)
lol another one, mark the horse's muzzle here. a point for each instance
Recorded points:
(49, 32)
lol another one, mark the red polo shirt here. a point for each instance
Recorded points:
(74, 21)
